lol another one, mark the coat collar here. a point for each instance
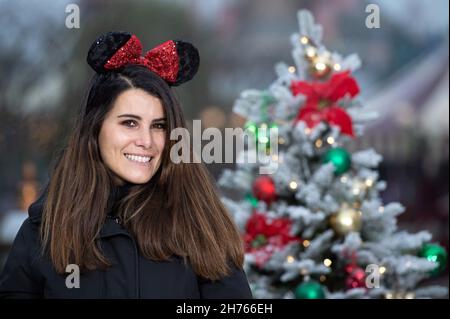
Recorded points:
(112, 228)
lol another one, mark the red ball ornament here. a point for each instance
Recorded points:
(264, 189)
(356, 277)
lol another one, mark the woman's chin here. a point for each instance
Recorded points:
(137, 180)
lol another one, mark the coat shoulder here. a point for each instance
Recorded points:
(19, 278)
(36, 208)
(233, 286)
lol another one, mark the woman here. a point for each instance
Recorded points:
(135, 224)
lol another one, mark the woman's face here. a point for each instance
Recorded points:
(132, 137)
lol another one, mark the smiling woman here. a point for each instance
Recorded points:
(136, 224)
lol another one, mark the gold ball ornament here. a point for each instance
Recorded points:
(346, 220)
(321, 65)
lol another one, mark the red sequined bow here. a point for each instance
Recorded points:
(162, 60)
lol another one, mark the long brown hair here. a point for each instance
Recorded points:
(178, 212)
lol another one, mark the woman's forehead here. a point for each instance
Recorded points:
(138, 102)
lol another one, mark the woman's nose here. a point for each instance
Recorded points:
(144, 139)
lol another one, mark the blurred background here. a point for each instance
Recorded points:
(405, 77)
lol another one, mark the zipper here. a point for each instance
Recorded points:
(118, 221)
(136, 254)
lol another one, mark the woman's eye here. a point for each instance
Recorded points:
(159, 126)
(129, 123)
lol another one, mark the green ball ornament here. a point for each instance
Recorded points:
(340, 158)
(436, 254)
(252, 200)
(309, 290)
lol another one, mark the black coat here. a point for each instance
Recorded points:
(28, 274)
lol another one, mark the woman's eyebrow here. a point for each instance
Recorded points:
(160, 119)
(137, 117)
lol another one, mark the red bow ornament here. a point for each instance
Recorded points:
(263, 237)
(322, 101)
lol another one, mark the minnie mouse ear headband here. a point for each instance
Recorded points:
(174, 61)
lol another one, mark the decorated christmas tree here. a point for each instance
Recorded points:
(315, 226)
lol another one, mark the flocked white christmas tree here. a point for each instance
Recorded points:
(316, 227)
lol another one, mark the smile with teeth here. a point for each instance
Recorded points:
(139, 159)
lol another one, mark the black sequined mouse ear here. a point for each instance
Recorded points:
(108, 45)
(189, 60)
